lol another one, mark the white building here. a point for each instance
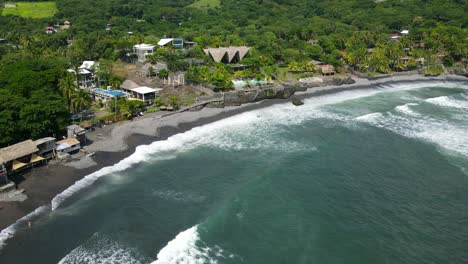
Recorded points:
(145, 94)
(143, 50)
(176, 42)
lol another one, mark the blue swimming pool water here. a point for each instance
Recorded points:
(111, 93)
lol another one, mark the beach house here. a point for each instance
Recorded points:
(76, 131)
(144, 93)
(175, 42)
(142, 51)
(68, 146)
(46, 147)
(20, 156)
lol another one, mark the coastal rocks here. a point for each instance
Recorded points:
(339, 81)
(236, 98)
(244, 96)
(296, 101)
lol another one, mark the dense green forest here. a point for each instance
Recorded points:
(32, 62)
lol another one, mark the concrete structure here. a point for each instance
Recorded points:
(227, 55)
(142, 51)
(3, 174)
(175, 42)
(46, 147)
(75, 131)
(69, 145)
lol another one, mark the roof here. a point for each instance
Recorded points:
(18, 150)
(76, 129)
(84, 71)
(328, 68)
(405, 32)
(43, 140)
(218, 53)
(144, 46)
(165, 41)
(128, 84)
(66, 143)
(145, 90)
(87, 64)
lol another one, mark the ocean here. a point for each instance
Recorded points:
(364, 176)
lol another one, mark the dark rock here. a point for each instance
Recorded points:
(296, 101)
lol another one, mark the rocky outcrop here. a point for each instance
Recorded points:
(244, 96)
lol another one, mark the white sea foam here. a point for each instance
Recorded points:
(449, 136)
(369, 117)
(405, 109)
(448, 101)
(100, 249)
(10, 231)
(187, 248)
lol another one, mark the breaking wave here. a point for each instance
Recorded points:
(100, 249)
(10, 231)
(447, 101)
(405, 109)
(187, 248)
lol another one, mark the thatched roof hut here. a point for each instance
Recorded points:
(17, 151)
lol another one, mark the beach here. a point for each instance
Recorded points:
(115, 142)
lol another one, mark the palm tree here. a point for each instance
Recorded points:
(81, 101)
(67, 86)
(115, 82)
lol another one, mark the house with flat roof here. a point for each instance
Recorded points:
(175, 42)
(69, 146)
(46, 147)
(144, 93)
(76, 131)
(142, 51)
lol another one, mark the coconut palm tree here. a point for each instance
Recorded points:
(115, 82)
(67, 86)
(81, 101)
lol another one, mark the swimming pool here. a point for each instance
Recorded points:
(251, 82)
(111, 93)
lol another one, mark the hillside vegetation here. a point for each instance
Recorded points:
(285, 35)
(31, 9)
(205, 4)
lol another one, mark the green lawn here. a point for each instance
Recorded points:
(32, 9)
(206, 4)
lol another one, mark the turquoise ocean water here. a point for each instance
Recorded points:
(367, 176)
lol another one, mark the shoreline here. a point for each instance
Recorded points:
(120, 140)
